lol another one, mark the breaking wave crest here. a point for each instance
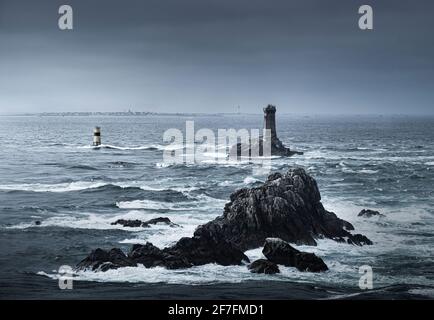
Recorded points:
(109, 146)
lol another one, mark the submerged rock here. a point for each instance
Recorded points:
(263, 266)
(367, 213)
(287, 206)
(144, 224)
(129, 223)
(281, 252)
(162, 220)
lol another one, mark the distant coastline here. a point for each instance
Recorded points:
(201, 114)
(112, 113)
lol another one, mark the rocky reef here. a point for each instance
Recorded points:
(144, 224)
(280, 252)
(287, 206)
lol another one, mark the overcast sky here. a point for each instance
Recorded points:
(212, 55)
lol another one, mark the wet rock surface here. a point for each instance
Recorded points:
(144, 224)
(101, 260)
(281, 252)
(187, 252)
(263, 266)
(287, 206)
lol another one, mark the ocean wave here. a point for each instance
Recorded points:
(427, 292)
(339, 257)
(87, 185)
(251, 180)
(83, 167)
(59, 187)
(121, 164)
(201, 203)
(368, 171)
(101, 221)
(209, 274)
(145, 147)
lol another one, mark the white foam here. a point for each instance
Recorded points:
(250, 180)
(145, 147)
(209, 273)
(59, 187)
(428, 292)
(202, 203)
(83, 185)
(367, 171)
(100, 221)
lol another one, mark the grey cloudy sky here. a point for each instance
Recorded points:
(210, 56)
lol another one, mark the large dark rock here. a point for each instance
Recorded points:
(188, 252)
(205, 248)
(367, 213)
(151, 256)
(281, 252)
(185, 253)
(101, 260)
(144, 224)
(287, 206)
(161, 220)
(263, 266)
(129, 223)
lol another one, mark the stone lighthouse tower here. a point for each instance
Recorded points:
(277, 147)
(270, 120)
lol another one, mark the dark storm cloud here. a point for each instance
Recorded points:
(208, 56)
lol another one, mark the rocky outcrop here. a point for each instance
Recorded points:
(281, 252)
(144, 224)
(129, 223)
(263, 266)
(287, 206)
(151, 256)
(367, 213)
(101, 260)
(187, 252)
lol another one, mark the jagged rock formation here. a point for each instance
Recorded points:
(187, 252)
(263, 266)
(281, 252)
(287, 206)
(144, 224)
(277, 148)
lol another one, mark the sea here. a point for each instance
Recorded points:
(59, 196)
